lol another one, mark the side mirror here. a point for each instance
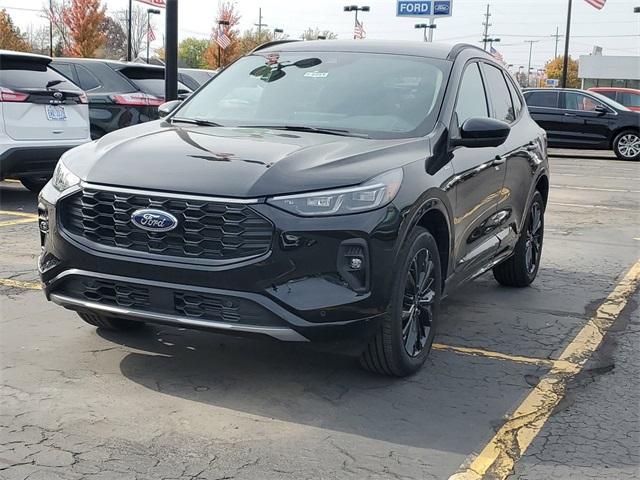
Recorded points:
(600, 110)
(168, 107)
(482, 132)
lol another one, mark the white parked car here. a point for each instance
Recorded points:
(42, 115)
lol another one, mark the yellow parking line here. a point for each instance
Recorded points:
(498, 457)
(480, 352)
(8, 282)
(24, 218)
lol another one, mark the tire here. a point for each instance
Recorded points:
(34, 184)
(109, 323)
(520, 270)
(403, 327)
(626, 145)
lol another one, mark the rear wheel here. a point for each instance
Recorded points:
(626, 145)
(34, 184)
(403, 342)
(522, 267)
(109, 323)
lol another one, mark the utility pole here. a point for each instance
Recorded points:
(129, 30)
(260, 24)
(530, 42)
(557, 37)
(171, 51)
(565, 63)
(485, 36)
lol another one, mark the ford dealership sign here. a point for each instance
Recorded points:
(423, 8)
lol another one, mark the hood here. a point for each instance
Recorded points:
(236, 162)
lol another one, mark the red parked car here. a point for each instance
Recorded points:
(629, 97)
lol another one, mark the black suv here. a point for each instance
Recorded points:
(582, 119)
(120, 94)
(312, 191)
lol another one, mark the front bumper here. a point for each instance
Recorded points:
(296, 292)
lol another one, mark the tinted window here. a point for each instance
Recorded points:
(383, 96)
(578, 101)
(609, 94)
(65, 69)
(17, 74)
(515, 97)
(155, 86)
(472, 100)
(629, 99)
(500, 96)
(542, 99)
(88, 81)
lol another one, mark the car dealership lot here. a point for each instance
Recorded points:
(176, 404)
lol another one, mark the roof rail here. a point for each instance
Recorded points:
(458, 47)
(271, 44)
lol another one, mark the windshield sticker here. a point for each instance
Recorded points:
(316, 74)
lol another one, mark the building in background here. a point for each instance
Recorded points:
(609, 71)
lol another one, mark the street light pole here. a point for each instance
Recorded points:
(50, 28)
(565, 62)
(356, 9)
(129, 30)
(150, 11)
(171, 51)
(432, 26)
(530, 42)
(424, 28)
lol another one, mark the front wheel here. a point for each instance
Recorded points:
(521, 268)
(403, 342)
(626, 145)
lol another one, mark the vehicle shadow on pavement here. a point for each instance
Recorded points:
(446, 406)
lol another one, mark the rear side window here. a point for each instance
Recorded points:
(150, 80)
(472, 100)
(629, 99)
(88, 81)
(500, 96)
(65, 69)
(18, 74)
(542, 99)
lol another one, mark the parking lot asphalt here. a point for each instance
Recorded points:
(165, 403)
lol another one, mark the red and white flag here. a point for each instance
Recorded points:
(155, 3)
(359, 32)
(596, 3)
(151, 36)
(222, 39)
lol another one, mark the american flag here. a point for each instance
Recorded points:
(151, 36)
(222, 39)
(596, 3)
(155, 3)
(496, 54)
(359, 32)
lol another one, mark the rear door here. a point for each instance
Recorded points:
(38, 103)
(583, 124)
(544, 106)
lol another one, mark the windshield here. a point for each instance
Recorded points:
(382, 96)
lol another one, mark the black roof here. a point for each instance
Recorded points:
(394, 47)
(115, 64)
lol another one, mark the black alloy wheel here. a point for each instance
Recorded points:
(417, 305)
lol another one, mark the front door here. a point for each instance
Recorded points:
(583, 123)
(477, 182)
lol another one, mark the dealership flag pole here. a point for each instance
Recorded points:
(565, 63)
(171, 51)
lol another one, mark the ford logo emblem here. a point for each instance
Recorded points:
(154, 220)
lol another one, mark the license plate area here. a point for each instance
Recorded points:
(55, 112)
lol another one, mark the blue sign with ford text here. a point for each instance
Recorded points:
(424, 8)
(419, 8)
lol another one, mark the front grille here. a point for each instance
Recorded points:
(164, 300)
(206, 230)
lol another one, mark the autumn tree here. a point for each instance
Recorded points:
(84, 20)
(191, 52)
(553, 69)
(115, 46)
(55, 15)
(10, 36)
(227, 12)
(314, 33)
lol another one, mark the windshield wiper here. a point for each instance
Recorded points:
(302, 128)
(53, 83)
(195, 121)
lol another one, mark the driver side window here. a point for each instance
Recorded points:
(578, 101)
(472, 99)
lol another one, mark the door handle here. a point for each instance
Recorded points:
(569, 114)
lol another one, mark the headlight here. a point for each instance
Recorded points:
(63, 178)
(373, 194)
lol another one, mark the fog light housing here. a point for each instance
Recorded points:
(353, 264)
